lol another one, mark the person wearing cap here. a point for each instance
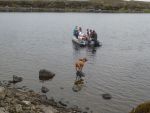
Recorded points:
(75, 32)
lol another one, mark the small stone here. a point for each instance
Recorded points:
(26, 102)
(26, 108)
(106, 96)
(61, 88)
(44, 89)
(17, 79)
(62, 103)
(33, 107)
(87, 108)
(2, 104)
(18, 108)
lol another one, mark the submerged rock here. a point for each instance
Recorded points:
(62, 103)
(44, 89)
(45, 74)
(61, 88)
(106, 96)
(87, 108)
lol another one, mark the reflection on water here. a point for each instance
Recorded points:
(78, 85)
(90, 51)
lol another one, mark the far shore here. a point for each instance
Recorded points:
(30, 9)
(90, 6)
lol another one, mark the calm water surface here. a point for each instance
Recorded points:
(33, 41)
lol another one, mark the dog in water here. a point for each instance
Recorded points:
(79, 66)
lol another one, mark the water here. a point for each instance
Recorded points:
(33, 41)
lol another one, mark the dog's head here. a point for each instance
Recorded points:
(85, 59)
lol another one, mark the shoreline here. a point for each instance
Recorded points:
(25, 100)
(55, 10)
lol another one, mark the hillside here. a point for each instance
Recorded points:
(74, 6)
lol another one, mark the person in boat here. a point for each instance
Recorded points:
(81, 34)
(94, 35)
(94, 38)
(88, 34)
(79, 66)
(80, 29)
(75, 32)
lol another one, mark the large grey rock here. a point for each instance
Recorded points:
(45, 74)
(2, 92)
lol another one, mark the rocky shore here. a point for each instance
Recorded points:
(22, 100)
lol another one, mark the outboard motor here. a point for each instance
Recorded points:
(96, 43)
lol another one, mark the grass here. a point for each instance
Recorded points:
(111, 5)
(142, 108)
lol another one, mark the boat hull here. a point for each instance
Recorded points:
(79, 42)
(83, 43)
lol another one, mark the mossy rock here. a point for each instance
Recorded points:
(142, 108)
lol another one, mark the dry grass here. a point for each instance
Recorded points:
(142, 108)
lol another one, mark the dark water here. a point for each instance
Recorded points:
(33, 41)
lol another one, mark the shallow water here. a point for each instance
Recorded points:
(33, 41)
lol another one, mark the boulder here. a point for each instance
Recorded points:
(2, 92)
(45, 74)
(16, 79)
